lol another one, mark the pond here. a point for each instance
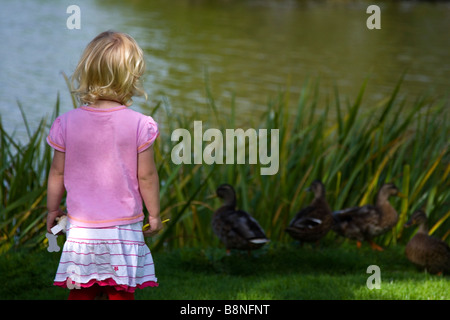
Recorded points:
(247, 50)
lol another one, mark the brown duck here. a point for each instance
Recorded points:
(237, 229)
(427, 252)
(313, 222)
(366, 222)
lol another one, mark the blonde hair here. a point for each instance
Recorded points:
(110, 69)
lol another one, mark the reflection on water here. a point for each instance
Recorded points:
(249, 49)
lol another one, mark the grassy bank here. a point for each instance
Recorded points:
(352, 147)
(280, 271)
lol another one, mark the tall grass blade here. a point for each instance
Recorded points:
(69, 86)
(179, 214)
(439, 223)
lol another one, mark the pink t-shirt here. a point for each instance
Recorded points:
(100, 174)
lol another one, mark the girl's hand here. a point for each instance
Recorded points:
(51, 219)
(155, 226)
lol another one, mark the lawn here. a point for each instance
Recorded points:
(276, 272)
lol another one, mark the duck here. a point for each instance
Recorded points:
(366, 222)
(313, 222)
(235, 228)
(425, 251)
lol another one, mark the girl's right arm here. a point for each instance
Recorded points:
(55, 189)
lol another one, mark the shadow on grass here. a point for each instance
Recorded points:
(289, 259)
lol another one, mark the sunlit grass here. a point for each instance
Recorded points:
(278, 272)
(422, 287)
(290, 272)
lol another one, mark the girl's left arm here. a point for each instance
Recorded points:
(55, 189)
(149, 188)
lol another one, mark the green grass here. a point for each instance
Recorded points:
(277, 272)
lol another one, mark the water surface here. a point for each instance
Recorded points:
(250, 50)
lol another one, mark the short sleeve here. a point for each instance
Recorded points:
(147, 134)
(55, 137)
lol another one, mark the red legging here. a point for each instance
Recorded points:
(91, 292)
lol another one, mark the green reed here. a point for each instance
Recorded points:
(352, 147)
(24, 167)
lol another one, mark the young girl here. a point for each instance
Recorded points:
(103, 158)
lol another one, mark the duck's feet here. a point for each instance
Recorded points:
(374, 246)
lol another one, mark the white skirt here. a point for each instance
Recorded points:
(114, 256)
